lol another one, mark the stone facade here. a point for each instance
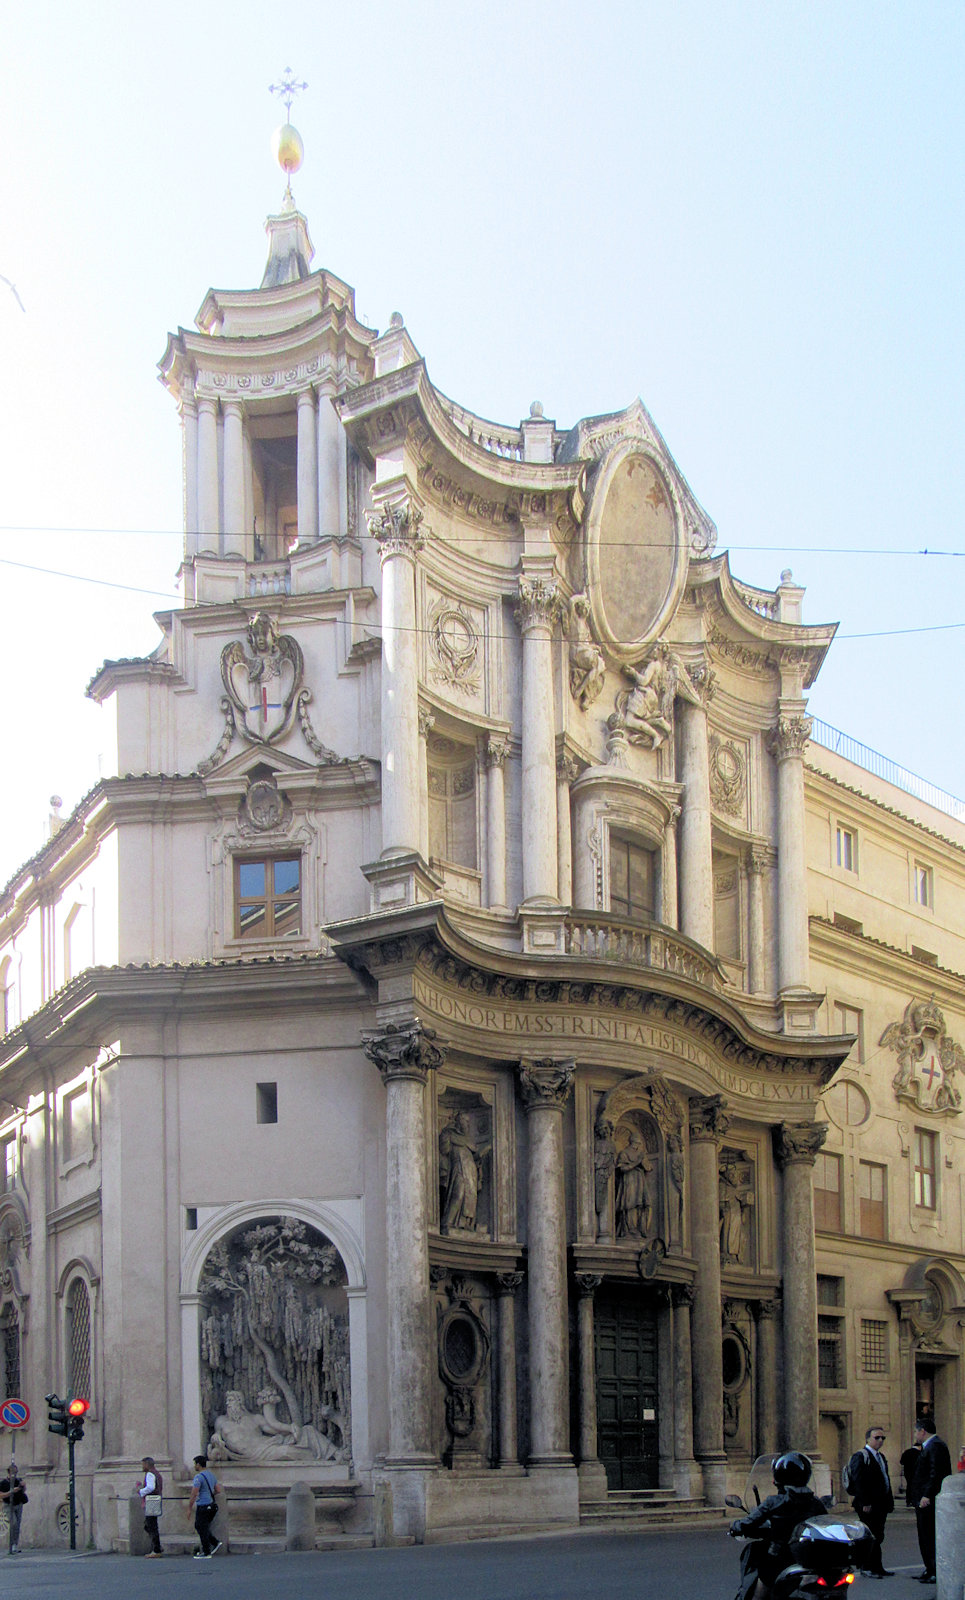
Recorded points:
(424, 1053)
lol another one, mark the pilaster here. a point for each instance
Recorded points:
(796, 1147)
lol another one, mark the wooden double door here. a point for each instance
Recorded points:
(625, 1324)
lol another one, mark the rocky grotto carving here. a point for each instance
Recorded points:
(274, 1332)
(927, 1058)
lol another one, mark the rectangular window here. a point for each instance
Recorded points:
(874, 1345)
(452, 810)
(871, 1200)
(268, 897)
(830, 1290)
(827, 1193)
(847, 849)
(924, 885)
(631, 879)
(76, 1124)
(266, 1102)
(926, 1169)
(830, 1353)
(848, 1019)
(8, 1170)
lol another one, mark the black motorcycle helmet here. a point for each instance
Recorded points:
(792, 1471)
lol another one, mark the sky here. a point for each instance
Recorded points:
(750, 214)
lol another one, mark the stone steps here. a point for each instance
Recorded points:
(650, 1508)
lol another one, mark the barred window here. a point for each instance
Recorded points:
(8, 1164)
(78, 1340)
(10, 1349)
(874, 1345)
(830, 1353)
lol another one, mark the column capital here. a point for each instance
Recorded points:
(703, 681)
(208, 403)
(401, 1051)
(496, 751)
(798, 1142)
(788, 741)
(682, 1294)
(540, 603)
(587, 1283)
(766, 1310)
(306, 397)
(397, 530)
(708, 1118)
(545, 1085)
(233, 407)
(567, 768)
(758, 858)
(508, 1282)
(426, 723)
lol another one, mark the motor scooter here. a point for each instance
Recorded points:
(825, 1551)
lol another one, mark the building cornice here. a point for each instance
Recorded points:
(864, 954)
(888, 817)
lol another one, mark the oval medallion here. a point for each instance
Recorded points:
(635, 551)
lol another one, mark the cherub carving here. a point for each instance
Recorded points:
(927, 1057)
(587, 667)
(263, 686)
(645, 711)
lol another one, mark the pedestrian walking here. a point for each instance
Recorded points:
(14, 1497)
(205, 1489)
(870, 1484)
(150, 1490)
(934, 1466)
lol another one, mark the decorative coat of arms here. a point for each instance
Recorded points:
(927, 1058)
(263, 686)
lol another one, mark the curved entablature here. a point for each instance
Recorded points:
(753, 628)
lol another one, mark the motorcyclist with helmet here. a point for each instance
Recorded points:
(770, 1525)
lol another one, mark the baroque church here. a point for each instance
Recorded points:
(483, 1052)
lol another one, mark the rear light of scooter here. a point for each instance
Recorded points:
(836, 1583)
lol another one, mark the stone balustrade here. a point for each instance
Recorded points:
(606, 938)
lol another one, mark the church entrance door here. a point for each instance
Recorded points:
(625, 1320)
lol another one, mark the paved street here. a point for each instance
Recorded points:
(684, 1566)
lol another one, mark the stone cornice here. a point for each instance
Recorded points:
(862, 953)
(745, 638)
(885, 816)
(423, 941)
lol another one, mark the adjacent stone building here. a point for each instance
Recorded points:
(474, 1052)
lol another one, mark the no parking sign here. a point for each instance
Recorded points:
(14, 1414)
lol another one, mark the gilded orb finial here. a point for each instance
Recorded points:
(286, 141)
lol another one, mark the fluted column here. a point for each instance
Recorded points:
(696, 866)
(682, 1296)
(788, 743)
(765, 1314)
(796, 1148)
(497, 751)
(189, 468)
(507, 1284)
(544, 1088)
(234, 479)
(567, 772)
(209, 515)
(405, 1054)
(539, 607)
(398, 532)
(708, 1124)
(756, 863)
(306, 473)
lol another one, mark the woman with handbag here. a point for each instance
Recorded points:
(150, 1492)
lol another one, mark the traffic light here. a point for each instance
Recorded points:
(76, 1412)
(57, 1415)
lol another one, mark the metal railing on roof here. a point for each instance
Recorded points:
(852, 750)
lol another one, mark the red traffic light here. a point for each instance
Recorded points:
(78, 1408)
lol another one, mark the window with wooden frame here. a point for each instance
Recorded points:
(872, 1210)
(924, 885)
(268, 897)
(827, 1193)
(846, 848)
(926, 1169)
(632, 879)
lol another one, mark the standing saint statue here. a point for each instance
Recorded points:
(736, 1194)
(460, 1171)
(634, 1190)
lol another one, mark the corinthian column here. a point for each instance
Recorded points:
(592, 1470)
(497, 751)
(708, 1124)
(209, 515)
(234, 479)
(306, 468)
(567, 772)
(696, 866)
(545, 1087)
(539, 606)
(757, 862)
(796, 1146)
(507, 1284)
(787, 743)
(426, 724)
(189, 467)
(765, 1315)
(682, 1296)
(397, 530)
(405, 1055)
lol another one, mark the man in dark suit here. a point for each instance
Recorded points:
(934, 1466)
(871, 1489)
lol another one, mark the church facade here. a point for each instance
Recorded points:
(477, 1054)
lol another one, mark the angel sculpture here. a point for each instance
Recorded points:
(927, 1058)
(645, 711)
(587, 667)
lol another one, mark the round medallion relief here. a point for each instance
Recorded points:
(847, 1104)
(635, 551)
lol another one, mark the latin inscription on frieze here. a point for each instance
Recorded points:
(546, 1024)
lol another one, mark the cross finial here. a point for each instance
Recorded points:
(287, 89)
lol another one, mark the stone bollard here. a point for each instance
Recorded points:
(950, 1537)
(384, 1517)
(300, 1517)
(138, 1543)
(106, 1504)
